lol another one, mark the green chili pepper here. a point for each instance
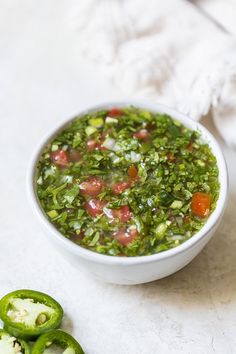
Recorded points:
(9, 344)
(59, 339)
(27, 313)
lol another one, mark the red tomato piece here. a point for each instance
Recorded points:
(190, 147)
(74, 155)
(123, 213)
(170, 157)
(151, 126)
(94, 207)
(106, 133)
(132, 172)
(186, 219)
(126, 236)
(142, 134)
(60, 158)
(201, 203)
(120, 187)
(77, 237)
(114, 113)
(91, 144)
(101, 147)
(92, 187)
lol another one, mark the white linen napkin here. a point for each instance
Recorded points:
(166, 50)
(222, 11)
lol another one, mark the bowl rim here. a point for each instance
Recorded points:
(122, 261)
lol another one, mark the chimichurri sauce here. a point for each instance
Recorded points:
(127, 182)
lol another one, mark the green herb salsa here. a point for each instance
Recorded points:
(127, 182)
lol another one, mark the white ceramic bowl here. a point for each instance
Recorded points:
(142, 269)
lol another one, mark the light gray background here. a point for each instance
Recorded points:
(42, 81)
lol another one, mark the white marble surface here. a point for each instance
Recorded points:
(42, 80)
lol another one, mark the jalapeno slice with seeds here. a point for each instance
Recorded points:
(12, 345)
(54, 340)
(27, 313)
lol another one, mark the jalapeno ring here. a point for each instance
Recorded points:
(11, 344)
(27, 313)
(59, 338)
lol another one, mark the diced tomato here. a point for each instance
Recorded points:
(94, 207)
(120, 187)
(201, 203)
(190, 147)
(170, 156)
(186, 219)
(74, 155)
(132, 172)
(60, 158)
(92, 187)
(106, 133)
(123, 213)
(126, 236)
(114, 113)
(91, 144)
(151, 126)
(142, 134)
(101, 147)
(77, 237)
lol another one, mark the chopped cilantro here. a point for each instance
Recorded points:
(123, 182)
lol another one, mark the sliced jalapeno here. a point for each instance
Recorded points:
(27, 313)
(55, 340)
(11, 345)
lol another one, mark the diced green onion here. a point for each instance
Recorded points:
(52, 214)
(115, 159)
(177, 123)
(200, 163)
(176, 204)
(116, 147)
(95, 239)
(110, 120)
(156, 157)
(161, 229)
(40, 180)
(135, 157)
(96, 122)
(177, 237)
(146, 114)
(109, 143)
(49, 172)
(54, 147)
(90, 130)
